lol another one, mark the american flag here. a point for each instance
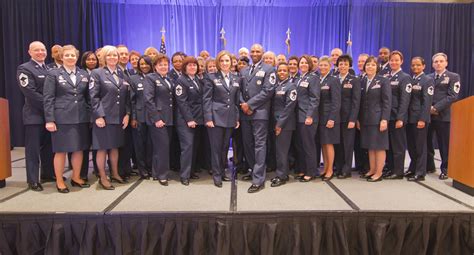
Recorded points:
(163, 46)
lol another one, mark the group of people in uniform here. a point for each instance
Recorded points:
(279, 115)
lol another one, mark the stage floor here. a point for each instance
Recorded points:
(201, 196)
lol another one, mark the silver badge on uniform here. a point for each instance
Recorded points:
(179, 90)
(91, 83)
(408, 88)
(158, 83)
(272, 79)
(457, 87)
(84, 79)
(430, 90)
(140, 86)
(260, 73)
(23, 79)
(445, 80)
(293, 94)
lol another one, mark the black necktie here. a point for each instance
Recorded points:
(252, 68)
(44, 67)
(437, 76)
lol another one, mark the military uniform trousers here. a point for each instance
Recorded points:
(442, 129)
(38, 149)
(343, 157)
(282, 147)
(306, 148)
(219, 138)
(254, 133)
(417, 148)
(143, 148)
(161, 138)
(189, 144)
(398, 146)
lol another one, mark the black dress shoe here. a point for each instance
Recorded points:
(185, 182)
(35, 186)
(84, 185)
(375, 180)
(409, 174)
(194, 176)
(226, 179)
(443, 176)
(365, 176)
(247, 177)
(393, 177)
(344, 176)
(277, 181)
(416, 178)
(218, 184)
(64, 191)
(327, 178)
(298, 177)
(386, 173)
(255, 188)
(144, 177)
(163, 182)
(111, 187)
(121, 181)
(304, 179)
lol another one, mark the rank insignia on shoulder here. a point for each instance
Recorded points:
(179, 90)
(23, 78)
(408, 88)
(430, 90)
(272, 79)
(457, 87)
(293, 95)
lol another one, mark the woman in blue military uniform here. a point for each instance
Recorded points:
(109, 94)
(308, 90)
(283, 108)
(189, 117)
(418, 120)
(159, 107)
(221, 112)
(350, 102)
(140, 132)
(329, 115)
(400, 83)
(373, 118)
(67, 115)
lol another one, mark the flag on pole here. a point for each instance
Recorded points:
(163, 45)
(287, 41)
(224, 41)
(349, 45)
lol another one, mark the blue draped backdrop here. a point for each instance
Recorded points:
(317, 26)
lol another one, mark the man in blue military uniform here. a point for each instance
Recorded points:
(257, 86)
(31, 76)
(446, 91)
(384, 54)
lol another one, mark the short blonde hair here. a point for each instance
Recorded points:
(106, 50)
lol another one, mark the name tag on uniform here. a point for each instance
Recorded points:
(324, 87)
(260, 74)
(236, 84)
(416, 87)
(445, 80)
(108, 82)
(84, 79)
(158, 83)
(377, 86)
(40, 76)
(347, 86)
(281, 92)
(304, 84)
(394, 83)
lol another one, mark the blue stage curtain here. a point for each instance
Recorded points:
(317, 26)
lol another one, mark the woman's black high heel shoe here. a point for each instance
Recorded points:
(64, 191)
(75, 184)
(111, 187)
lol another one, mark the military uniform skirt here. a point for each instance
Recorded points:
(372, 139)
(111, 136)
(71, 137)
(330, 135)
